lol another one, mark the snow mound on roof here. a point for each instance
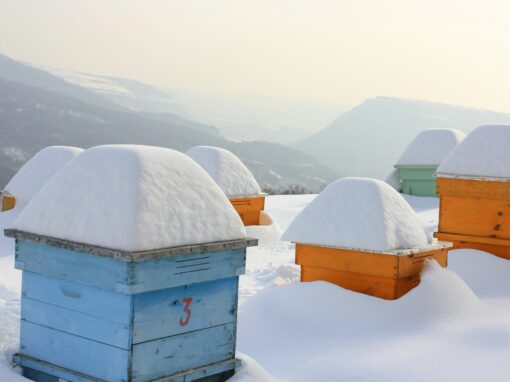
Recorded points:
(226, 169)
(35, 173)
(132, 198)
(358, 213)
(393, 181)
(484, 152)
(431, 146)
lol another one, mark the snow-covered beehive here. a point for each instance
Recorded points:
(234, 178)
(417, 165)
(32, 176)
(473, 184)
(362, 235)
(131, 257)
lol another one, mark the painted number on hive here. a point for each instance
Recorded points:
(187, 301)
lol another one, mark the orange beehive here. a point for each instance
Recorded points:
(475, 213)
(249, 208)
(8, 201)
(387, 275)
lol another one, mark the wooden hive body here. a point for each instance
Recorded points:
(249, 208)
(475, 213)
(417, 180)
(385, 275)
(92, 314)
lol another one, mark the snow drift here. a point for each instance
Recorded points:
(226, 169)
(358, 213)
(132, 198)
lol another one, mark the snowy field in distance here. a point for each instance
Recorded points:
(454, 327)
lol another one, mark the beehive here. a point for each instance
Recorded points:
(387, 275)
(8, 201)
(417, 165)
(234, 178)
(125, 290)
(93, 314)
(474, 189)
(362, 235)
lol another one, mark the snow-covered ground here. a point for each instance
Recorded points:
(454, 327)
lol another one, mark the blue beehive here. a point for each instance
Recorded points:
(92, 313)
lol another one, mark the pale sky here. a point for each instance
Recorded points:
(453, 51)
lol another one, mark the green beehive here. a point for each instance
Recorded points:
(417, 166)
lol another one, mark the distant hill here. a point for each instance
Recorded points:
(367, 140)
(239, 117)
(32, 118)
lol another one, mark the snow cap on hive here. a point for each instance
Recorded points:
(358, 213)
(32, 176)
(484, 153)
(431, 147)
(132, 198)
(226, 169)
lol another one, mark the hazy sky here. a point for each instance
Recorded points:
(455, 51)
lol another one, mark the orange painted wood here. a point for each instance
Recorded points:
(481, 244)
(249, 209)
(475, 214)
(380, 275)
(8, 202)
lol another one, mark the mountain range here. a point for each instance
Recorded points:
(38, 109)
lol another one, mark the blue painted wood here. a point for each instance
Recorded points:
(167, 356)
(91, 318)
(125, 277)
(77, 323)
(159, 314)
(75, 353)
(81, 298)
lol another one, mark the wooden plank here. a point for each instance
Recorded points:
(470, 243)
(72, 266)
(378, 286)
(80, 298)
(346, 260)
(182, 270)
(127, 255)
(217, 372)
(475, 216)
(183, 309)
(75, 353)
(167, 356)
(473, 188)
(454, 237)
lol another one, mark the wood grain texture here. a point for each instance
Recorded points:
(380, 275)
(249, 209)
(475, 214)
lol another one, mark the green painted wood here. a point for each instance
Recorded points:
(418, 180)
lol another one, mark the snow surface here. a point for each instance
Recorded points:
(431, 147)
(132, 198)
(454, 327)
(359, 213)
(226, 169)
(38, 170)
(393, 181)
(484, 153)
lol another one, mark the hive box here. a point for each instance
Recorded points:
(418, 180)
(8, 201)
(388, 275)
(249, 208)
(90, 314)
(474, 213)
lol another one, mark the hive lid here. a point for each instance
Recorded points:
(483, 154)
(32, 176)
(359, 213)
(227, 170)
(431, 147)
(132, 198)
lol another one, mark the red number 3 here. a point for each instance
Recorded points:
(187, 301)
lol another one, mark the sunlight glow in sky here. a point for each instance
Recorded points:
(454, 51)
